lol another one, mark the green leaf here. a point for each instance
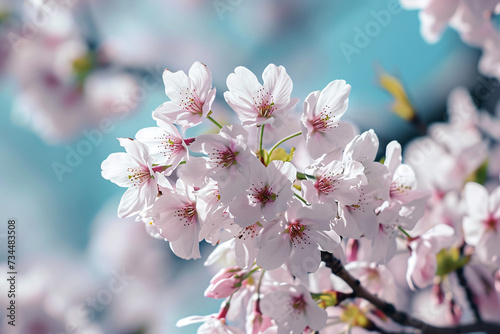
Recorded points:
(449, 260)
(326, 299)
(281, 154)
(480, 175)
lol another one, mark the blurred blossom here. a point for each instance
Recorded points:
(52, 297)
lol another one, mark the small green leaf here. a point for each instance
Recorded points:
(449, 260)
(480, 175)
(280, 154)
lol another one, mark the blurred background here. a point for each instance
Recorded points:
(74, 75)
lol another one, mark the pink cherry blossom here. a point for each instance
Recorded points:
(177, 216)
(134, 169)
(228, 159)
(165, 143)
(293, 308)
(297, 239)
(482, 221)
(257, 104)
(422, 263)
(268, 194)
(321, 119)
(191, 96)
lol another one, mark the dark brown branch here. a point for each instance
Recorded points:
(397, 316)
(468, 292)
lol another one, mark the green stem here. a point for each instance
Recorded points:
(304, 176)
(283, 140)
(261, 139)
(260, 282)
(404, 232)
(301, 198)
(214, 121)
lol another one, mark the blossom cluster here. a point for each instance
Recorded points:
(271, 212)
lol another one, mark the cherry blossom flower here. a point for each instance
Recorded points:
(228, 159)
(268, 194)
(165, 143)
(321, 119)
(134, 169)
(482, 221)
(191, 96)
(297, 239)
(405, 199)
(422, 263)
(257, 104)
(293, 308)
(334, 181)
(177, 215)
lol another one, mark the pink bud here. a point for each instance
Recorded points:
(352, 250)
(224, 283)
(259, 322)
(223, 288)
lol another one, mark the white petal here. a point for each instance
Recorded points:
(114, 168)
(176, 84)
(277, 82)
(130, 204)
(201, 78)
(476, 198)
(393, 156)
(334, 99)
(274, 252)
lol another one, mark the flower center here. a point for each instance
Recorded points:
(298, 303)
(171, 146)
(138, 175)
(491, 224)
(266, 110)
(296, 231)
(186, 213)
(325, 184)
(323, 123)
(264, 103)
(263, 195)
(225, 158)
(189, 101)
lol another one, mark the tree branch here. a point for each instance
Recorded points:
(397, 316)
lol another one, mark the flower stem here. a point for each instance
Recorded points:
(214, 121)
(404, 232)
(261, 139)
(257, 303)
(304, 176)
(284, 140)
(301, 199)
